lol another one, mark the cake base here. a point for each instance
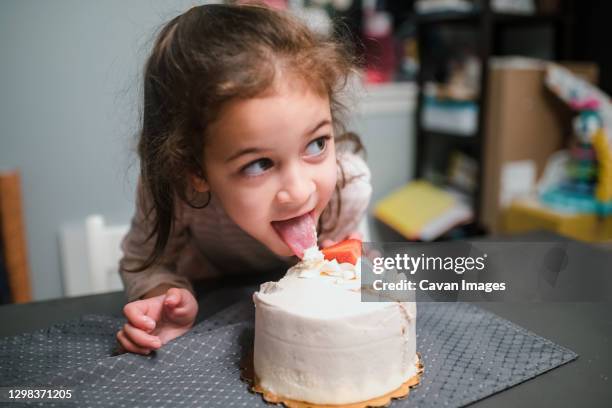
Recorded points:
(248, 375)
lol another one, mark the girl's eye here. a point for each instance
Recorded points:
(257, 167)
(317, 146)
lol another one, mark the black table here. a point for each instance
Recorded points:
(585, 328)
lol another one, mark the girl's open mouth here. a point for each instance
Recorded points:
(298, 233)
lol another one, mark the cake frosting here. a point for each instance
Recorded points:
(315, 341)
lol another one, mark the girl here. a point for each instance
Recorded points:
(242, 158)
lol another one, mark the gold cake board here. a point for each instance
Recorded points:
(248, 375)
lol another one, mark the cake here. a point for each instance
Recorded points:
(317, 343)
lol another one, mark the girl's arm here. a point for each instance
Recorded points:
(152, 280)
(158, 290)
(161, 305)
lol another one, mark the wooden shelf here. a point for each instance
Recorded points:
(487, 23)
(535, 19)
(448, 18)
(460, 137)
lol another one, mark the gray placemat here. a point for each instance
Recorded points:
(468, 354)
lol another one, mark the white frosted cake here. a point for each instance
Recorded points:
(315, 341)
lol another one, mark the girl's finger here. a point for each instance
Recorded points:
(136, 313)
(173, 298)
(182, 314)
(326, 243)
(129, 346)
(355, 235)
(140, 338)
(179, 314)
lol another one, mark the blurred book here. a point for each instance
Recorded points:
(422, 211)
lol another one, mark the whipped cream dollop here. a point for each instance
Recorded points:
(314, 266)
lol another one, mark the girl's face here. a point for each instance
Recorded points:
(272, 158)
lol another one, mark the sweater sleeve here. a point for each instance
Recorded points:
(349, 203)
(136, 249)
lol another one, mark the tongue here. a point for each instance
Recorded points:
(299, 233)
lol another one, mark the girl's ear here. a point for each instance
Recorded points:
(199, 184)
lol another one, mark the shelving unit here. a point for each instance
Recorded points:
(488, 25)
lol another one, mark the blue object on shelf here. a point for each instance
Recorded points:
(565, 199)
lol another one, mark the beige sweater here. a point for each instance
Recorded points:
(206, 242)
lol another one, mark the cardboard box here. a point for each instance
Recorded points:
(524, 121)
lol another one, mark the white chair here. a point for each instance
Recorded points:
(104, 250)
(90, 256)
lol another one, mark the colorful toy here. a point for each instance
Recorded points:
(587, 185)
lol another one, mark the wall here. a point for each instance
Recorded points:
(69, 106)
(384, 118)
(68, 112)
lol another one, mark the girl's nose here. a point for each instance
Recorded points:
(297, 186)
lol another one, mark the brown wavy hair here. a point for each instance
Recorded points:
(206, 57)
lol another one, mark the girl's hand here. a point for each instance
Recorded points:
(155, 321)
(328, 242)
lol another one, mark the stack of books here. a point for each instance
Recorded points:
(421, 211)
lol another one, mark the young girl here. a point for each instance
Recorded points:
(242, 158)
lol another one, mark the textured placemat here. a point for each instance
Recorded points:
(468, 354)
